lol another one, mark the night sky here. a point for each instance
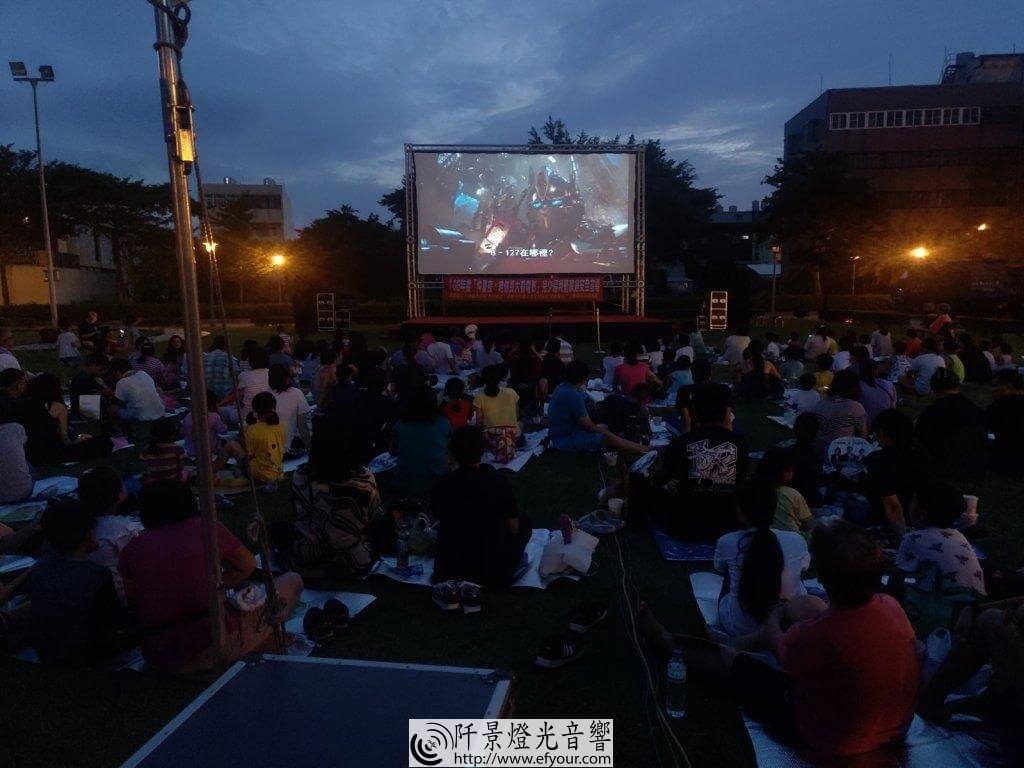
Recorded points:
(321, 95)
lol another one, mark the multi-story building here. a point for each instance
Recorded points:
(938, 156)
(271, 209)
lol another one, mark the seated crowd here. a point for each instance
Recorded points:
(117, 568)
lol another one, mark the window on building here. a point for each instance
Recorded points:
(972, 115)
(932, 116)
(894, 118)
(876, 119)
(914, 117)
(951, 116)
(838, 121)
(857, 120)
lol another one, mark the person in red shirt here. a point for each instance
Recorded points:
(849, 678)
(164, 573)
(633, 371)
(457, 407)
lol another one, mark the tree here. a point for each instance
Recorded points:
(821, 214)
(19, 211)
(394, 203)
(236, 242)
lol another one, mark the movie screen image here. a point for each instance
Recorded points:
(509, 213)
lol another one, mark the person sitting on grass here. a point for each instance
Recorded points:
(634, 371)
(74, 614)
(792, 366)
(626, 415)
(420, 442)
(90, 381)
(705, 468)
(679, 376)
(291, 406)
(457, 406)
(336, 500)
(923, 366)
(1005, 419)
(481, 534)
(952, 429)
(840, 414)
(850, 671)
(222, 449)
(165, 576)
(264, 442)
(103, 495)
(570, 427)
(67, 345)
(937, 551)
(808, 478)
(792, 513)
(758, 379)
(163, 458)
(253, 380)
(497, 407)
(552, 369)
(136, 393)
(824, 375)
(805, 396)
(325, 378)
(876, 394)
(763, 565)
(610, 362)
(18, 476)
(50, 440)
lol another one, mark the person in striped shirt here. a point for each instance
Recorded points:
(163, 459)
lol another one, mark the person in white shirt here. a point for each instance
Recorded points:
(475, 347)
(919, 377)
(136, 393)
(565, 353)
(772, 350)
(763, 565)
(67, 344)
(254, 380)
(842, 360)
(610, 362)
(734, 348)
(292, 406)
(437, 354)
(101, 492)
(7, 358)
(881, 342)
(807, 396)
(817, 344)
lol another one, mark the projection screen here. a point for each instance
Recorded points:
(524, 211)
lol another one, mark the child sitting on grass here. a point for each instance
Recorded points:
(103, 495)
(791, 513)
(67, 345)
(457, 407)
(806, 397)
(221, 448)
(264, 442)
(163, 458)
(823, 378)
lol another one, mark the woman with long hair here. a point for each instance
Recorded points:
(496, 407)
(634, 371)
(762, 566)
(292, 406)
(876, 395)
(758, 379)
(840, 414)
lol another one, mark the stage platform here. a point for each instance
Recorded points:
(575, 326)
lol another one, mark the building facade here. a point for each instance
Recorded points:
(84, 267)
(271, 209)
(938, 156)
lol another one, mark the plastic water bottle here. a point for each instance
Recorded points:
(675, 686)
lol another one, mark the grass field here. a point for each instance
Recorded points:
(56, 718)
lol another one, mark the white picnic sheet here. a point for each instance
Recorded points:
(43, 490)
(354, 601)
(785, 420)
(532, 578)
(385, 462)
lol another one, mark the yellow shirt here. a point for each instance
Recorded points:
(498, 411)
(265, 446)
(823, 380)
(791, 510)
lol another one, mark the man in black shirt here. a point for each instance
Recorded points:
(89, 381)
(707, 465)
(894, 472)
(952, 430)
(1006, 421)
(481, 535)
(626, 415)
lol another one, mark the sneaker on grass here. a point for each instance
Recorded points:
(446, 595)
(469, 596)
(558, 650)
(585, 615)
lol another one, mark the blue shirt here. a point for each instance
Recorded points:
(422, 452)
(565, 409)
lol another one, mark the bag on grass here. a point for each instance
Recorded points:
(502, 443)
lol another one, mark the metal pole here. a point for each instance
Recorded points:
(178, 135)
(853, 278)
(775, 267)
(51, 273)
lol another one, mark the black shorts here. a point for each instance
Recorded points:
(764, 693)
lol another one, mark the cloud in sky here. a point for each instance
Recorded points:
(322, 95)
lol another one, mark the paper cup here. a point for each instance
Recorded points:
(615, 507)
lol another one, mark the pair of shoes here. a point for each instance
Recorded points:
(560, 649)
(323, 624)
(451, 595)
(586, 616)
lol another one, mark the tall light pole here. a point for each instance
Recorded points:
(853, 275)
(21, 75)
(278, 261)
(211, 249)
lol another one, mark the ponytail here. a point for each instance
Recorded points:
(761, 569)
(492, 380)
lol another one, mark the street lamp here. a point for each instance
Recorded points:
(278, 261)
(982, 227)
(211, 249)
(920, 252)
(853, 276)
(20, 74)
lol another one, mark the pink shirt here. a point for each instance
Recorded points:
(856, 676)
(164, 570)
(628, 376)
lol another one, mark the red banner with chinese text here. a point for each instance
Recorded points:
(472, 288)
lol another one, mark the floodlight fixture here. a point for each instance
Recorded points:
(46, 72)
(18, 69)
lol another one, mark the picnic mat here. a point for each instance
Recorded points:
(676, 551)
(12, 563)
(42, 491)
(785, 420)
(385, 462)
(532, 578)
(926, 746)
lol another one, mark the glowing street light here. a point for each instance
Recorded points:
(920, 252)
(982, 227)
(277, 260)
(210, 246)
